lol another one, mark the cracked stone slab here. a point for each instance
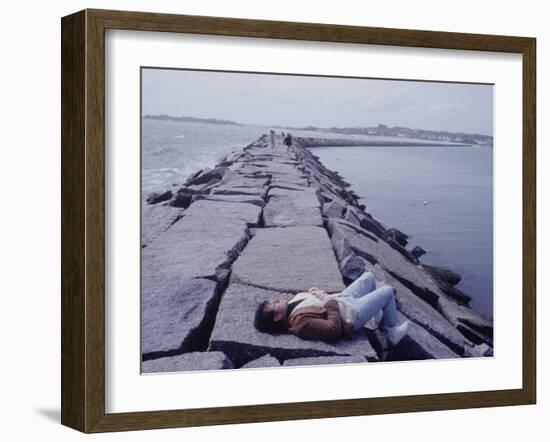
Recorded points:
(289, 259)
(226, 189)
(208, 237)
(250, 199)
(243, 169)
(282, 168)
(291, 183)
(292, 208)
(257, 181)
(156, 220)
(234, 333)
(174, 316)
(212, 360)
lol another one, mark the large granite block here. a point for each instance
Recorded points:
(292, 208)
(228, 189)
(250, 199)
(174, 319)
(257, 180)
(207, 239)
(212, 360)
(289, 259)
(156, 219)
(288, 183)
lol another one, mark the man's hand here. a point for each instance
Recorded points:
(319, 294)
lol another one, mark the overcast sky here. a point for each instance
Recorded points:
(299, 101)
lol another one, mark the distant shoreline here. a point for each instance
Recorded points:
(425, 137)
(341, 142)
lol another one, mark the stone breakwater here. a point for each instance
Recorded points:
(263, 223)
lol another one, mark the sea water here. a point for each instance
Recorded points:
(173, 150)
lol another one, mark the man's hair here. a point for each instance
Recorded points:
(264, 320)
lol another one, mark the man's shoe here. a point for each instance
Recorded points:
(398, 332)
(375, 321)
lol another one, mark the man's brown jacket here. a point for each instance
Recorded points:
(323, 323)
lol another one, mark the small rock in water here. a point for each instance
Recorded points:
(157, 197)
(425, 203)
(398, 236)
(205, 177)
(183, 198)
(418, 251)
(444, 275)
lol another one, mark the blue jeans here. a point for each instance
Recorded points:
(368, 301)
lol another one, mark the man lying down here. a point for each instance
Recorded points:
(317, 315)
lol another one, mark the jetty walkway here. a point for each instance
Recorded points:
(265, 222)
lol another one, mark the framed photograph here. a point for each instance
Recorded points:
(270, 220)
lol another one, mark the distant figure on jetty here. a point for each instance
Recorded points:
(272, 138)
(288, 142)
(317, 315)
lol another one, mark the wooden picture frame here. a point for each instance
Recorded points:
(83, 220)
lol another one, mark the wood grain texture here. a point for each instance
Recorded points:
(73, 129)
(144, 21)
(529, 222)
(83, 220)
(95, 221)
